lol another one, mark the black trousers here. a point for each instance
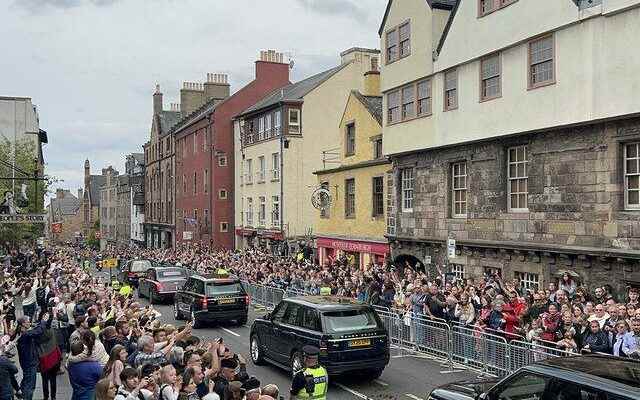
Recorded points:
(49, 382)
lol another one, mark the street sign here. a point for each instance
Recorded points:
(427, 259)
(56, 227)
(451, 248)
(187, 235)
(109, 263)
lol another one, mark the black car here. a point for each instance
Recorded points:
(161, 283)
(580, 377)
(212, 298)
(133, 270)
(349, 334)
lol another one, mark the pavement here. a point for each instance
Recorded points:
(408, 375)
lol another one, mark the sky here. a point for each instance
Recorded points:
(91, 66)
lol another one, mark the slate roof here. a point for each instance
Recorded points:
(373, 104)
(447, 28)
(439, 4)
(293, 92)
(167, 120)
(95, 182)
(68, 205)
(139, 157)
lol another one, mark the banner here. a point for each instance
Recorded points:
(22, 218)
(56, 227)
(109, 263)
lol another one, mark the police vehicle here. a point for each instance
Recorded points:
(594, 377)
(349, 334)
(212, 298)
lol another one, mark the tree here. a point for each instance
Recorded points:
(24, 157)
(93, 241)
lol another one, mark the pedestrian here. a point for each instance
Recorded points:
(84, 374)
(50, 358)
(105, 390)
(28, 336)
(313, 380)
(8, 371)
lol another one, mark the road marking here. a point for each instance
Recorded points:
(231, 332)
(379, 382)
(353, 392)
(412, 396)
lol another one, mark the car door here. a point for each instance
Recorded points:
(524, 386)
(181, 295)
(150, 280)
(285, 333)
(272, 329)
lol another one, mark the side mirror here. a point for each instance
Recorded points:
(482, 396)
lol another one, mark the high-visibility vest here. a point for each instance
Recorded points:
(321, 384)
(115, 285)
(125, 291)
(325, 291)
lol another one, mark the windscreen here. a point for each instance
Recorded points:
(140, 266)
(350, 320)
(171, 274)
(225, 288)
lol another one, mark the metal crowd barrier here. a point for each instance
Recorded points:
(490, 352)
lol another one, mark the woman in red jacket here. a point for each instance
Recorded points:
(512, 323)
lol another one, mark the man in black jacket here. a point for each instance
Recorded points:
(8, 371)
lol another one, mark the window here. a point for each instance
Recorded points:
(249, 174)
(374, 64)
(222, 161)
(249, 211)
(262, 212)
(350, 198)
(632, 175)
(261, 166)
(195, 182)
(533, 385)
(407, 189)
(195, 214)
(528, 280)
(222, 194)
(424, 97)
(350, 139)
(450, 90)
(378, 196)
(517, 173)
(541, 68)
(275, 166)
(486, 6)
(294, 120)
(490, 79)
(205, 138)
(459, 188)
(195, 143)
(205, 182)
(404, 33)
(261, 128)
(277, 123)
(224, 226)
(377, 148)
(275, 210)
(324, 212)
(408, 102)
(393, 107)
(205, 216)
(184, 184)
(311, 319)
(457, 270)
(392, 46)
(267, 126)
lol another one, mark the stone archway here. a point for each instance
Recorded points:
(401, 260)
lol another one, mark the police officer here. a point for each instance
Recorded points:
(313, 381)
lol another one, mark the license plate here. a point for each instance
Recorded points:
(226, 301)
(360, 343)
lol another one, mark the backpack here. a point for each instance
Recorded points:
(161, 397)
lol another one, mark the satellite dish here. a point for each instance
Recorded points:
(291, 64)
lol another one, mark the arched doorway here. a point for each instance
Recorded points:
(414, 263)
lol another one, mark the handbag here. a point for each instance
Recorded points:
(50, 360)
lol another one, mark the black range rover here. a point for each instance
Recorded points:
(349, 334)
(563, 378)
(211, 298)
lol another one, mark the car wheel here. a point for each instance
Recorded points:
(296, 362)
(256, 352)
(242, 321)
(176, 313)
(374, 374)
(194, 319)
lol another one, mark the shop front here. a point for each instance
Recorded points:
(245, 238)
(359, 252)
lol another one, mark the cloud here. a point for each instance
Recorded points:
(344, 8)
(38, 6)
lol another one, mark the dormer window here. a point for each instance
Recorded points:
(488, 6)
(398, 42)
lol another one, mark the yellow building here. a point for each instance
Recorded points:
(354, 222)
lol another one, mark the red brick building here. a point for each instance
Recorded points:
(204, 153)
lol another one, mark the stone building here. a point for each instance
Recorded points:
(134, 167)
(123, 211)
(109, 208)
(90, 200)
(159, 152)
(515, 137)
(65, 211)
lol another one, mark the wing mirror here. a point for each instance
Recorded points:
(482, 396)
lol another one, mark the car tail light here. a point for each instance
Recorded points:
(324, 346)
(247, 299)
(205, 303)
(131, 275)
(159, 286)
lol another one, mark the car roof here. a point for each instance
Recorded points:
(600, 371)
(168, 268)
(216, 278)
(328, 303)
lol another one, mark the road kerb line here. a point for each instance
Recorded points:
(412, 396)
(379, 382)
(353, 392)
(231, 332)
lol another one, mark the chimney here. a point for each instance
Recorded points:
(59, 194)
(80, 194)
(191, 97)
(216, 87)
(371, 83)
(157, 101)
(272, 66)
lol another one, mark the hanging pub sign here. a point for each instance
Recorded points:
(13, 211)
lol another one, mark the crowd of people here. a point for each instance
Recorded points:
(564, 314)
(68, 321)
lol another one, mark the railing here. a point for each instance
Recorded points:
(490, 352)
